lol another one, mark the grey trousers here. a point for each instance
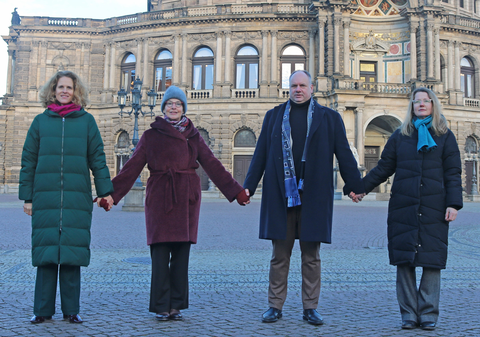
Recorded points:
(280, 265)
(418, 305)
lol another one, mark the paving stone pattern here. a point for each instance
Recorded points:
(229, 278)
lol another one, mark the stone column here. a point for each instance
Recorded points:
(274, 70)
(147, 75)
(359, 135)
(311, 47)
(9, 90)
(430, 57)
(457, 65)
(346, 48)
(321, 48)
(32, 76)
(184, 59)
(138, 57)
(112, 66)
(264, 56)
(78, 57)
(218, 57)
(438, 67)
(105, 67)
(337, 21)
(228, 55)
(264, 59)
(450, 67)
(413, 50)
(176, 61)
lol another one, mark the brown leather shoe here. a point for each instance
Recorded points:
(39, 319)
(73, 318)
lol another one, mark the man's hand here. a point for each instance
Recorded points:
(243, 198)
(356, 197)
(27, 208)
(450, 214)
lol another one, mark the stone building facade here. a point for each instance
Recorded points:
(233, 59)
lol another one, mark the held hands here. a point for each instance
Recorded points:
(27, 208)
(243, 198)
(106, 202)
(450, 214)
(356, 197)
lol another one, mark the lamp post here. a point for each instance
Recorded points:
(134, 198)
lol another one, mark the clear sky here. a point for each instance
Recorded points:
(94, 9)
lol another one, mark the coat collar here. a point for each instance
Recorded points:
(73, 114)
(162, 126)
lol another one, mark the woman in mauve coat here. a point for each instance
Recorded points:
(426, 195)
(172, 150)
(62, 146)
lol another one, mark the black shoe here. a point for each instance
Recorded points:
(39, 319)
(73, 318)
(163, 316)
(312, 317)
(409, 325)
(428, 325)
(175, 316)
(271, 315)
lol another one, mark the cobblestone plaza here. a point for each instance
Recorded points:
(229, 277)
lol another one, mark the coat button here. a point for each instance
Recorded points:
(419, 214)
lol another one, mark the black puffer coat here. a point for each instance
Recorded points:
(425, 185)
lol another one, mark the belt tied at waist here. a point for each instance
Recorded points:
(171, 185)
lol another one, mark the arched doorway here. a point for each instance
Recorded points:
(122, 150)
(243, 144)
(376, 135)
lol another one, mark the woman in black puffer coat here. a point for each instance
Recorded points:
(426, 195)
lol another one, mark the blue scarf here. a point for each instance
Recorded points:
(291, 188)
(425, 141)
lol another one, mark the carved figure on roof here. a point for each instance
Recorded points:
(15, 17)
(370, 40)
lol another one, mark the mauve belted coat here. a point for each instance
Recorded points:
(173, 192)
(425, 184)
(327, 138)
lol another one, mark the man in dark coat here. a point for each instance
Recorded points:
(294, 154)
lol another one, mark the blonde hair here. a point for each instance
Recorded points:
(47, 92)
(439, 123)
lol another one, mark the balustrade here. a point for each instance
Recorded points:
(244, 93)
(199, 94)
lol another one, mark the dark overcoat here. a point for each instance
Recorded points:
(327, 138)
(173, 192)
(57, 157)
(425, 184)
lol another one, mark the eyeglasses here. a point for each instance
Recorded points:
(171, 104)
(420, 101)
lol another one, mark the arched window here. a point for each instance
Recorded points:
(246, 63)
(122, 150)
(293, 58)
(163, 70)
(202, 61)
(244, 138)
(128, 72)
(467, 73)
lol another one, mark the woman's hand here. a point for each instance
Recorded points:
(27, 208)
(451, 214)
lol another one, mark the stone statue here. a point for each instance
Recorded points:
(15, 17)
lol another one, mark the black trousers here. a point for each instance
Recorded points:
(46, 289)
(169, 287)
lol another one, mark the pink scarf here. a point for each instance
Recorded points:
(64, 110)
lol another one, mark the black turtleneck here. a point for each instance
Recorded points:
(298, 125)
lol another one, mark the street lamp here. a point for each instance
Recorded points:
(136, 109)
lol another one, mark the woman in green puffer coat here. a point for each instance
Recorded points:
(63, 144)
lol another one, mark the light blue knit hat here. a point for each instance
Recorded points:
(174, 92)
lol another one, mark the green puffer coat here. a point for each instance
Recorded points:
(56, 159)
